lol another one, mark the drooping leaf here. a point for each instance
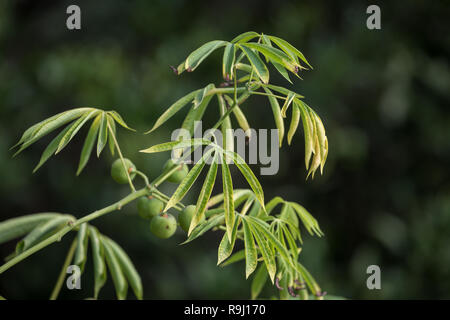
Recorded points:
(308, 220)
(290, 97)
(266, 252)
(17, 227)
(115, 269)
(245, 37)
(228, 202)
(205, 194)
(258, 282)
(102, 135)
(43, 231)
(118, 118)
(98, 257)
(82, 246)
(276, 114)
(51, 148)
(229, 57)
(294, 122)
(227, 244)
(74, 128)
(275, 56)
(89, 144)
(200, 54)
(39, 130)
(227, 133)
(308, 131)
(112, 134)
(289, 49)
(251, 255)
(257, 64)
(128, 269)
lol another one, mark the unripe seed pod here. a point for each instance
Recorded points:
(149, 207)
(185, 217)
(118, 172)
(163, 226)
(179, 174)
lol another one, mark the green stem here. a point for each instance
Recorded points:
(57, 236)
(62, 274)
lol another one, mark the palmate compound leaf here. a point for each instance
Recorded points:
(77, 118)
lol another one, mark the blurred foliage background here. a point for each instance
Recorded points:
(383, 95)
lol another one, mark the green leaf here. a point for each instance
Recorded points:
(308, 132)
(245, 37)
(74, 128)
(227, 244)
(205, 193)
(240, 116)
(257, 64)
(204, 227)
(46, 126)
(308, 220)
(249, 176)
(310, 282)
(98, 257)
(275, 56)
(128, 269)
(289, 49)
(188, 181)
(266, 252)
(276, 114)
(115, 269)
(294, 122)
(262, 227)
(51, 148)
(282, 71)
(258, 282)
(42, 231)
(236, 257)
(89, 144)
(103, 134)
(229, 57)
(251, 255)
(202, 94)
(290, 97)
(118, 118)
(82, 246)
(282, 90)
(17, 227)
(112, 125)
(273, 203)
(197, 56)
(174, 108)
(167, 146)
(228, 202)
(227, 133)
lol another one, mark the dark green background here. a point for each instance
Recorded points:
(383, 96)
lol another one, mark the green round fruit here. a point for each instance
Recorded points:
(185, 217)
(179, 174)
(149, 207)
(118, 172)
(163, 226)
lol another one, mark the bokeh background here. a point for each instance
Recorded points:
(383, 95)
